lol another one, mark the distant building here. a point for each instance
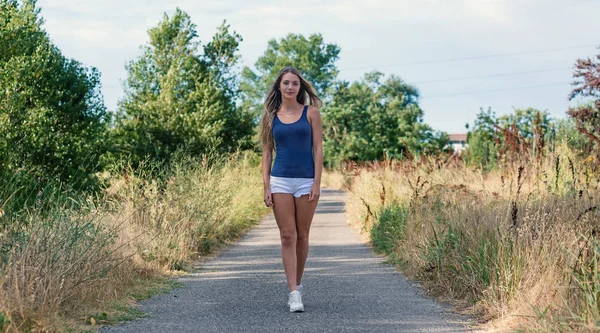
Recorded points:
(458, 142)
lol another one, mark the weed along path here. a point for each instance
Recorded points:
(346, 288)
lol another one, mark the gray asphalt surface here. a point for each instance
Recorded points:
(346, 288)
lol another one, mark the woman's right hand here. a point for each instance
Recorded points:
(268, 198)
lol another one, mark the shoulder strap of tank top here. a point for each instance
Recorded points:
(304, 112)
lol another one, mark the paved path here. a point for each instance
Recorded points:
(346, 288)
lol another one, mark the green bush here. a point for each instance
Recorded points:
(389, 228)
(52, 114)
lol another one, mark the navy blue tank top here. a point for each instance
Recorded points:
(293, 148)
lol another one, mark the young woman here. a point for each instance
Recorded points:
(292, 186)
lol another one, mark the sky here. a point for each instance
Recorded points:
(462, 55)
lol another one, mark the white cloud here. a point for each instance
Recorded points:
(95, 33)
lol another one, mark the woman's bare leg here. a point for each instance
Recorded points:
(305, 210)
(284, 209)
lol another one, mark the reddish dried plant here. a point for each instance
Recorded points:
(587, 84)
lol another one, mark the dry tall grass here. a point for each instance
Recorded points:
(63, 267)
(518, 248)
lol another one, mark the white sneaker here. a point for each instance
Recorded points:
(295, 301)
(299, 288)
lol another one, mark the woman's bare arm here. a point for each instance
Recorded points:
(317, 130)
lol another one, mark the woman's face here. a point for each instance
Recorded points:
(289, 86)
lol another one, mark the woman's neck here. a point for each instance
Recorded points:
(289, 105)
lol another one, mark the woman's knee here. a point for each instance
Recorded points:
(288, 238)
(303, 237)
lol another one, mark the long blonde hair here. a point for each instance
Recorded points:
(273, 103)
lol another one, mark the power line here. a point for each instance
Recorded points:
(491, 75)
(474, 57)
(494, 90)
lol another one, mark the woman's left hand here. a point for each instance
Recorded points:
(315, 192)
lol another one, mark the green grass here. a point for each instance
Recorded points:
(389, 228)
(156, 287)
(121, 314)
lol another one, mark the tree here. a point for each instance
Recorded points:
(177, 96)
(312, 56)
(566, 131)
(525, 130)
(508, 138)
(587, 116)
(529, 121)
(369, 120)
(482, 151)
(51, 109)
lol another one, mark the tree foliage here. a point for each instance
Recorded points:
(51, 110)
(312, 56)
(566, 131)
(528, 121)
(371, 120)
(182, 94)
(507, 138)
(482, 151)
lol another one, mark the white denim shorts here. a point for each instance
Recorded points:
(295, 186)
